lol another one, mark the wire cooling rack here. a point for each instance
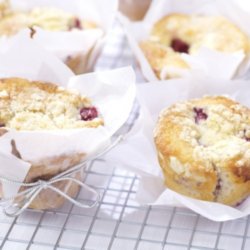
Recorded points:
(118, 222)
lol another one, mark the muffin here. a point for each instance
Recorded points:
(49, 18)
(38, 106)
(176, 34)
(30, 105)
(46, 18)
(203, 149)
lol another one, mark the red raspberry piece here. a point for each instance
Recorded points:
(88, 114)
(199, 114)
(179, 46)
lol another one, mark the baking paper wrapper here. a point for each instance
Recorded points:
(207, 61)
(112, 92)
(138, 153)
(83, 46)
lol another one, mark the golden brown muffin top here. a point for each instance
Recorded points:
(31, 105)
(196, 31)
(212, 130)
(47, 18)
(177, 34)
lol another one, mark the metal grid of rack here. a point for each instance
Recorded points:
(118, 222)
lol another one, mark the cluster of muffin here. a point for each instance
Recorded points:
(31, 106)
(203, 145)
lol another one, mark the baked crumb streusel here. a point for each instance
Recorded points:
(30, 105)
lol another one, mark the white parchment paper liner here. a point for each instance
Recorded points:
(244, 5)
(139, 155)
(112, 92)
(87, 43)
(206, 60)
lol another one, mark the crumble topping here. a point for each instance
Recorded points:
(47, 18)
(216, 132)
(37, 105)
